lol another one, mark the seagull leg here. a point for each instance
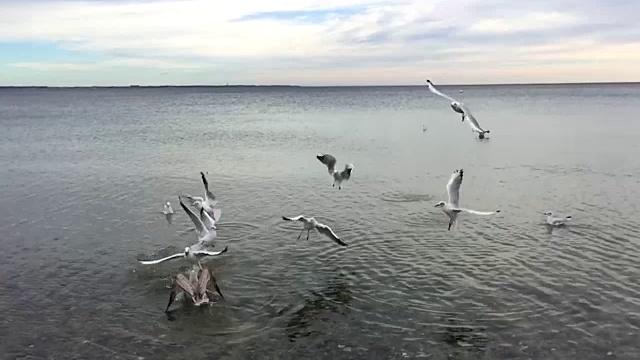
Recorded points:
(462, 117)
(301, 231)
(450, 223)
(308, 231)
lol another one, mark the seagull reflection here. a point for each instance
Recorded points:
(169, 218)
(335, 298)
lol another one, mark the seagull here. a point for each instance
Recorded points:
(460, 108)
(193, 254)
(452, 207)
(208, 202)
(310, 224)
(196, 252)
(167, 209)
(556, 220)
(338, 176)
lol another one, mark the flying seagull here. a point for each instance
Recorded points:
(452, 206)
(208, 202)
(196, 252)
(338, 176)
(310, 224)
(460, 108)
(193, 254)
(554, 220)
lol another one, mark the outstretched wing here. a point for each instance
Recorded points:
(472, 120)
(297, 218)
(325, 230)
(184, 283)
(329, 161)
(217, 213)
(453, 187)
(206, 219)
(195, 219)
(215, 283)
(209, 196)
(153, 262)
(435, 91)
(211, 253)
(476, 212)
(346, 173)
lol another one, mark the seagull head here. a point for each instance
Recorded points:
(186, 251)
(548, 213)
(440, 204)
(320, 157)
(168, 203)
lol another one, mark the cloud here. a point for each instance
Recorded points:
(350, 41)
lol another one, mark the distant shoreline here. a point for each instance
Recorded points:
(296, 86)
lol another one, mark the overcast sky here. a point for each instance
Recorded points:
(317, 42)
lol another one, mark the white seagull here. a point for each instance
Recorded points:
(452, 207)
(556, 220)
(167, 209)
(208, 202)
(460, 108)
(193, 254)
(310, 224)
(338, 176)
(196, 252)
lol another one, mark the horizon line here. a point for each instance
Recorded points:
(295, 86)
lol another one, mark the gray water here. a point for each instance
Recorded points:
(84, 174)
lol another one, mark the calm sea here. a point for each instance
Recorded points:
(84, 174)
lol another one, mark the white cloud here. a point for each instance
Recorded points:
(380, 41)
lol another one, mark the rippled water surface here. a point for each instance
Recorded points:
(85, 173)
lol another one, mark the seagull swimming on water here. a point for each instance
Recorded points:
(338, 176)
(208, 202)
(167, 210)
(196, 252)
(310, 224)
(452, 206)
(460, 108)
(554, 220)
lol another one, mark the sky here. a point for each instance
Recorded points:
(317, 42)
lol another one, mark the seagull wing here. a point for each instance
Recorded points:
(206, 219)
(435, 91)
(329, 161)
(195, 219)
(215, 283)
(185, 285)
(453, 187)
(297, 218)
(203, 253)
(209, 196)
(153, 262)
(346, 173)
(325, 230)
(193, 199)
(472, 120)
(476, 212)
(217, 213)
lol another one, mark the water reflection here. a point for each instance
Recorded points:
(460, 335)
(169, 218)
(335, 298)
